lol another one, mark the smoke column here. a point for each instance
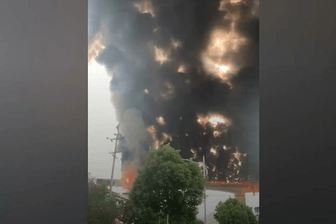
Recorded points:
(184, 72)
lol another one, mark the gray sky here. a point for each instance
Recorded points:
(101, 124)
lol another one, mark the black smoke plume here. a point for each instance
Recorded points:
(143, 89)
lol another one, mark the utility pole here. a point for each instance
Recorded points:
(204, 191)
(114, 154)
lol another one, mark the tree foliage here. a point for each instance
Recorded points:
(233, 212)
(167, 185)
(102, 208)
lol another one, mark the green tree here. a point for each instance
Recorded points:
(167, 185)
(233, 212)
(102, 208)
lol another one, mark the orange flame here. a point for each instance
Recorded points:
(95, 47)
(145, 7)
(128, 176)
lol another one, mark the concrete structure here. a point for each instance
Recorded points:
(239, 190)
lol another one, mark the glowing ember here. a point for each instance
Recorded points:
(160, 120)
(194, 153)
(144, 7)
(235, 162)
(128, 176)
(221, 43)
(213, 151)
(156, 143)
(165, 138)
(216, 134)
(223, 3)
(222, 68)
(214, 119)
(146, 91)
(237, 155)
(152, 131)
(181, 69)
(176, 44)
(161, 55)
(95, 47)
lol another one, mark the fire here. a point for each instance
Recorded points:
(216, 134)
(176, 44)
(222, 68)
(213, 151)
(215, 68)
(194, 153)
(156, 142)
(213, 169)
(128, 176)
(160, 120)
(214, 119)
(145, 6)
(222, 42)
(165, 138)
(225, 148)
(181, 69)
(152, 131)
(95, 47)
(224, 3)
(161, 55)
(235, 162)
(146, 91)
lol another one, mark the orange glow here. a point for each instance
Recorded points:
(213, 151)
(145, 6)
(156, 143)
(220, 43)
(146, 91)
(238, 184)
(214, 119)
(224, 3)
(194, 153)
(160, 120)
(95, 47)
(161, 55)
(176, 44)
(128, 176)
(216, 134)
(252, 189)
(181, 69)
(152, 131)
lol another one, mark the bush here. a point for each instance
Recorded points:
(102, 208)
(233, 212)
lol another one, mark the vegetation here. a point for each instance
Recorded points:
(166, 186)
(233, 212)
(102, 208)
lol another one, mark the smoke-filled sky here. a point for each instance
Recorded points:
(184, 72)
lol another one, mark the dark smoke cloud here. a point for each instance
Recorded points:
(129, 57)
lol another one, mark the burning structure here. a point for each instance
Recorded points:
(184, 72)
